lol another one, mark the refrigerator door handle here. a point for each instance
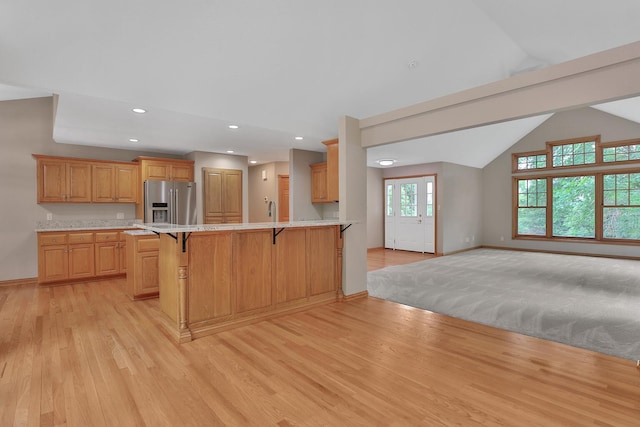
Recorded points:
(176, 207)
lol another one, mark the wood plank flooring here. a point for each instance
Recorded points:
(85, 355)
(378, 258)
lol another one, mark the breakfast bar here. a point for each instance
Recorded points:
(215, 277)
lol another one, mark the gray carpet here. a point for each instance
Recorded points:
(587, 302)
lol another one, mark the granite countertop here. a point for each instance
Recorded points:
(88, 224)
(175, 228)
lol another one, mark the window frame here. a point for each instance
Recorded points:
(598, 174)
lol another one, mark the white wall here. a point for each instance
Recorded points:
(222, 161)
(497, 178)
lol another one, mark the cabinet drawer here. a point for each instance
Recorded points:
(107, 236)
(80, 238)
(146, 245)
(52, 238)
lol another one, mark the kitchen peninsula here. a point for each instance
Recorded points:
(214, 277)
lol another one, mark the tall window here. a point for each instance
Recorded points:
(532, 207)
(621, 206)
(574, 201)
(429, 198)
(389, 199)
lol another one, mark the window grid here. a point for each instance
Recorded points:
(572, 154)
(535, 161)
(621, 153)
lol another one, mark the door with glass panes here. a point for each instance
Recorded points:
(410, 214)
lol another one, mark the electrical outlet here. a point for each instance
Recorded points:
(49, 216)
(120, 215)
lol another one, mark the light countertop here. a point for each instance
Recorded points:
(89, 224)
(175, 228)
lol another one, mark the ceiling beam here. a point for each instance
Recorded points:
(604, 76)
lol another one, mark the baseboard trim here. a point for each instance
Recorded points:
(18, 282)
(546, 251)
(356, 296)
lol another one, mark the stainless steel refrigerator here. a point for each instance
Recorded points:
(170, 202)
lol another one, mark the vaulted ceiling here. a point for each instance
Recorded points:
(287, 68)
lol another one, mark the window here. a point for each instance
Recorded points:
(621, 210)
(533, 161)
(532, 203)
(574, 206)
(409, 199)
(429, 199)
(621, 152)
(573, 153)
(389, 199)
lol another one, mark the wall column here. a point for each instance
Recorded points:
(353, 205)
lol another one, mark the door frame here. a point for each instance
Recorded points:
(436, 209)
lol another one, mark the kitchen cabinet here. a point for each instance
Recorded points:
(142, 266)
(73, 255)
(62, 180)
(109, 253)
(319, 183)
(115, 183)
(324, 176)
(65, 256)
(158, 169)
(222, 195)
(333, 194)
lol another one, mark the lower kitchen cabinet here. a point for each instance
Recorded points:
(76, 255)
(142, 266)
(65, 256)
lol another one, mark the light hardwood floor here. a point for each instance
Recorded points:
(85, 355)
(379, 258)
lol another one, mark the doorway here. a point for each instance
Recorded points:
(410, 212)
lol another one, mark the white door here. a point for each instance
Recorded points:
(410, 214)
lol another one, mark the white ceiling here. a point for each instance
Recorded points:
(285, 68)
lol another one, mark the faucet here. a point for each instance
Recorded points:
(270, 212)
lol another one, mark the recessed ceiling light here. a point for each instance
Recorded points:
(299, 138)
(139, 110)
(233, 126)
(133, 140)
(230, 151)
(253, 162)
(385, 162)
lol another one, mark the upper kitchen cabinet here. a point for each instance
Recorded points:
(333, 194)
(63, 180)
(115, 183)
(324, 176)
(157, 169)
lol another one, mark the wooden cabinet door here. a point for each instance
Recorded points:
(103, 183)
(81, 261)
(156, 170)
(319, 183)
(78, 183)
(53, 263)
(107, 259)
(52, 181)
(213, 196)
(232, 193)
(181, 172)
(332, 170)
(126, 183)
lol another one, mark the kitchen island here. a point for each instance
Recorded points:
(214, 277)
